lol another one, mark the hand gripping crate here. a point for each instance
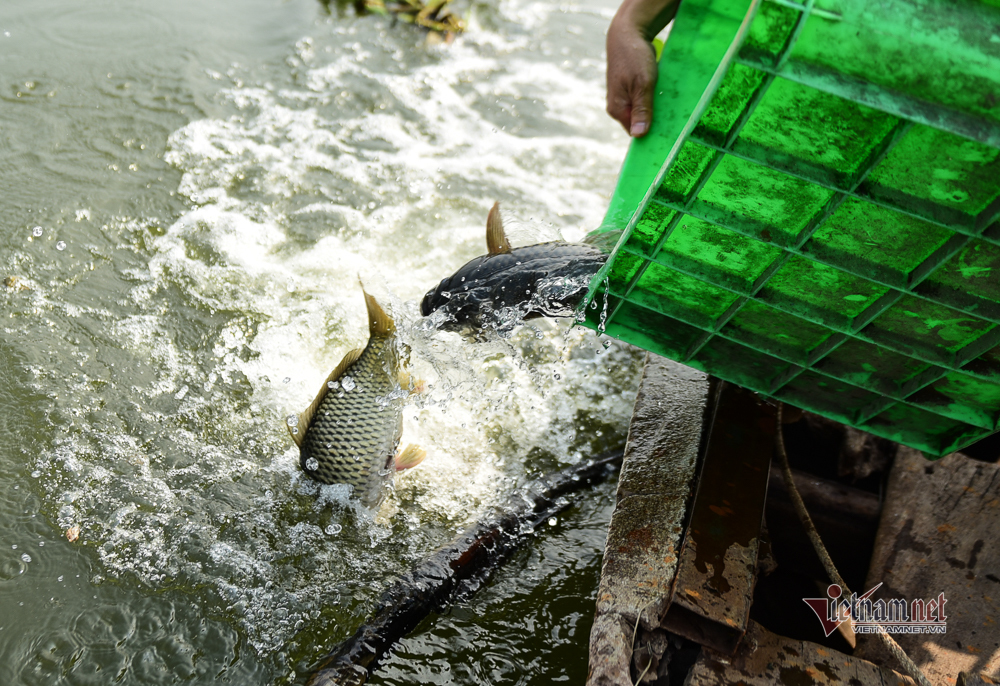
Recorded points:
(815, 213)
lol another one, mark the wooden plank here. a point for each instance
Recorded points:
(764, 659)
(939, 533)
(656, 484)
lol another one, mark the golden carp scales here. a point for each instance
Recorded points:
(351, 432)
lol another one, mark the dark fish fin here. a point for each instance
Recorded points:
(305, 419)
(496, 239)
(379, 323)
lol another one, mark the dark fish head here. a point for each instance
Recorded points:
(544, 280)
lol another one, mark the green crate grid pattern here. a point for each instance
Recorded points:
(911, 351)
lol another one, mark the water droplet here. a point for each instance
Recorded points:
(292, 420)
(332, 384)
(61, 245)
(26, 557)
(312, 464)
(37, 231)
(14, 547)
(334, 529)
(606, 344)
(59, 578)
(556, 376)
(286, 379)
(553, 521)
(35, 474)
(348, 383)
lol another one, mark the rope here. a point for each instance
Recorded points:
(824, 557)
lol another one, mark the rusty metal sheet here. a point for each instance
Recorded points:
(938, 535)
(718, 561)
(765, 659)
(655, 486)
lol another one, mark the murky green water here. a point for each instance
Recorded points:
(190, 191)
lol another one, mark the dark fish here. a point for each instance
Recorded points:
(351, 431)
(508, 285)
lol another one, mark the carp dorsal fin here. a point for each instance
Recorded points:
(379, 323)
(496, 239)
(305, 419)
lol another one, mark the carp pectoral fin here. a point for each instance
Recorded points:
(496, 239)
(379, 323)
(411, 456)
(408, 383)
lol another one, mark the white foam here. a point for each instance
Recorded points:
(368, 165)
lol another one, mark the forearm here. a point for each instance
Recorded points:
(647, 17)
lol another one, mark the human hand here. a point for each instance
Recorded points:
(632, 68)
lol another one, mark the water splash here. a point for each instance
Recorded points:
(181, 475)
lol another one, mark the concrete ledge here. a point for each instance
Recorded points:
(644, 536)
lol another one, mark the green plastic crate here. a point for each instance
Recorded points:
(815, 213)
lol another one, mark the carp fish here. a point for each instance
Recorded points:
(508, 285)
(351, 432)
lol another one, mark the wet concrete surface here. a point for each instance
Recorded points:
(646, 529)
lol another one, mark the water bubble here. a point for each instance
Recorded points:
(286, 379)
(333, 529)
(312, 464)
(348, 383)
(37, 231)
(332, 384)
(292, 420)
(61, 245)
(556, 376)
(26, 557)
(553, 521)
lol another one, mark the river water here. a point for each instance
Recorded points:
(191, 190)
